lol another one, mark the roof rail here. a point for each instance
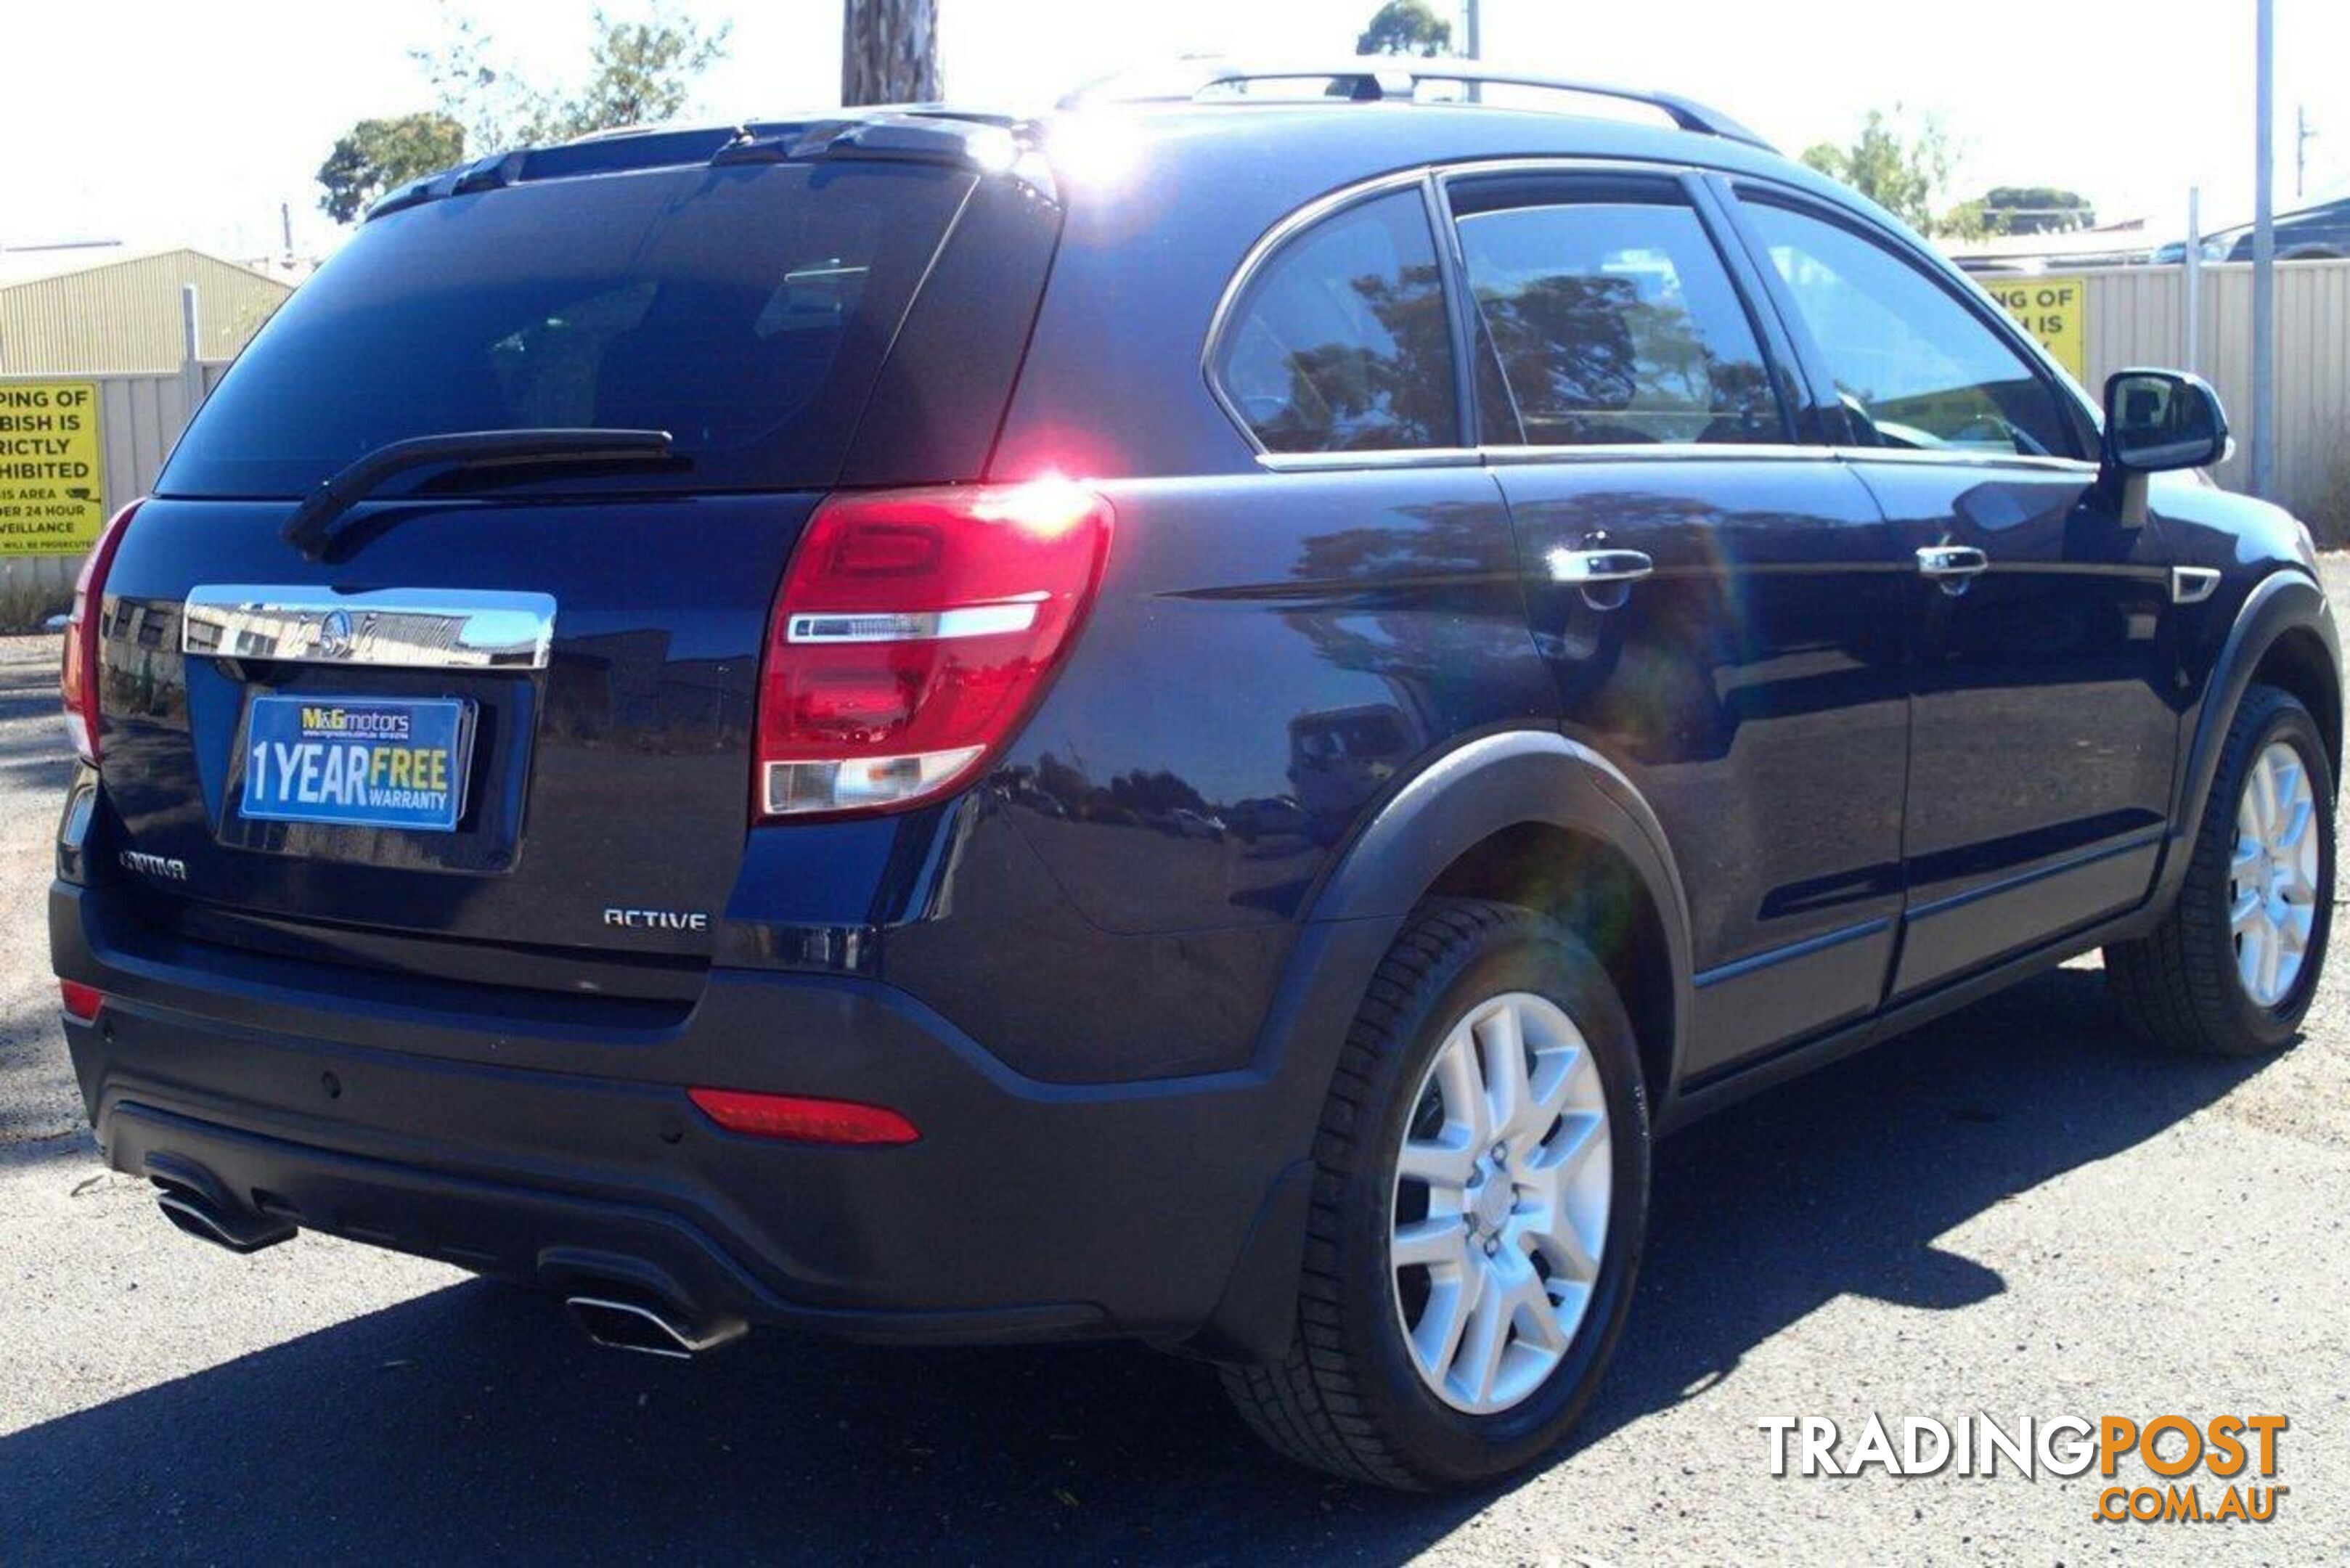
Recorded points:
(1388, 78)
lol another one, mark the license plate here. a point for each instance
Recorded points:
(358, 762)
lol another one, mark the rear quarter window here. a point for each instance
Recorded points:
(1339, 342)
(744, 310)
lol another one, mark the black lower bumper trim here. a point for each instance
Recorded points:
(551, 1240)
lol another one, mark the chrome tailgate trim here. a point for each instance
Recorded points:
(409, 629)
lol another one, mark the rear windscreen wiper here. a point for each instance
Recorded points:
(312, 527)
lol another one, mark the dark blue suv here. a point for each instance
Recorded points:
(1193, 720)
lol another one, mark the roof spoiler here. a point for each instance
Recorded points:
(922, 133)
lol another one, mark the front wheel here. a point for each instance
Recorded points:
(1480, 1196)
(2234, 965)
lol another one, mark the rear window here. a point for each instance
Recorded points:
(744, 310)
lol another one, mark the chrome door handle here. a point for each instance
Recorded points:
(1945, 563)
(1583, 569)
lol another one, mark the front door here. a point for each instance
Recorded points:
(2044, 729)
(1721, 609)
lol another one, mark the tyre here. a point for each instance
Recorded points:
(2232, 967)
(1480, 1192)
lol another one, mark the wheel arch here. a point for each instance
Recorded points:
(2300, 661)
(1479, 820)
(2284, 636)
(1531, 816)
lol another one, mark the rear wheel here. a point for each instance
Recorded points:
(2232, 970)
(1480, 1196)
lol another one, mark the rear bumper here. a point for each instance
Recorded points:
(555, 1144)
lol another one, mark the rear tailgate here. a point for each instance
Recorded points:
(577, 649)
(604, 797)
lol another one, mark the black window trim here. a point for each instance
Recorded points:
(2078, 416)
(1689, 187)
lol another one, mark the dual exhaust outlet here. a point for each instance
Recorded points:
(622, 1319)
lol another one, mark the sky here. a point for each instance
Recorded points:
(190, 121)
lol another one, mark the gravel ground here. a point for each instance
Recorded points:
(2015, 1211)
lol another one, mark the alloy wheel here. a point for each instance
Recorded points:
(1501, 1204)
(2272, 874)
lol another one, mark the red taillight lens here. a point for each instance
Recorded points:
(802, 1120)
(81, 1002)
(914, 631)
(80, 678)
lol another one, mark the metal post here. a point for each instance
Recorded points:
(1472, 36)
(191, 347)
(2191, 281)
(2265, 253)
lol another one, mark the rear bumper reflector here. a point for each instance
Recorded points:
(802, 1120)
(81, 1002)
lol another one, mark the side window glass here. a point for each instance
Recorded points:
(1341, 342)
(1915, 366)
(1615, 322)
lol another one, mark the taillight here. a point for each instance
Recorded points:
(801, 1119)
(81, 1002)
(78, 680)
(915, 631)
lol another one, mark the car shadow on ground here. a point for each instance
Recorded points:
(472, 1422)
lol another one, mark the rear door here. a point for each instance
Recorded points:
(2044, 721)
(505, 717)
(1720, 605)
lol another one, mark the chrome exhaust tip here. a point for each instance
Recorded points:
(629, 1325)
(237, 1232)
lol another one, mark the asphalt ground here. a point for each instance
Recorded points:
(2017, 1211)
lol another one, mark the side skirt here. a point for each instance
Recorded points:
(1711, 1092)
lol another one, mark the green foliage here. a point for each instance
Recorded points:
(377, 155)
(1405, 28)
(2034, 210)
(1906, 173)
(639, 73)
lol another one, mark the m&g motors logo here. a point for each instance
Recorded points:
(2169, 1470)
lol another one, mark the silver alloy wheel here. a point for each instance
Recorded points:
(2272, 877)
(1499, 1217)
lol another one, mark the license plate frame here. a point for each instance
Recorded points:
(301, 755)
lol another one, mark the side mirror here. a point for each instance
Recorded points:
(2156, 420)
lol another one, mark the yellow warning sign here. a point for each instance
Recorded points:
(52, 468)
(2053, 310)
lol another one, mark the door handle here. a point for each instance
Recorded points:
(1585, 568)
(1952, 565)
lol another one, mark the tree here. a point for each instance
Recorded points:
(2036, 210)
(1405, 28)
(377, 155)
(1904, 172)
(889, 52)
(639, 73)
(475, 90)
(642, 73)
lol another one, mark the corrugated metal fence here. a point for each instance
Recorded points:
(2137, 316)
(139, 418)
